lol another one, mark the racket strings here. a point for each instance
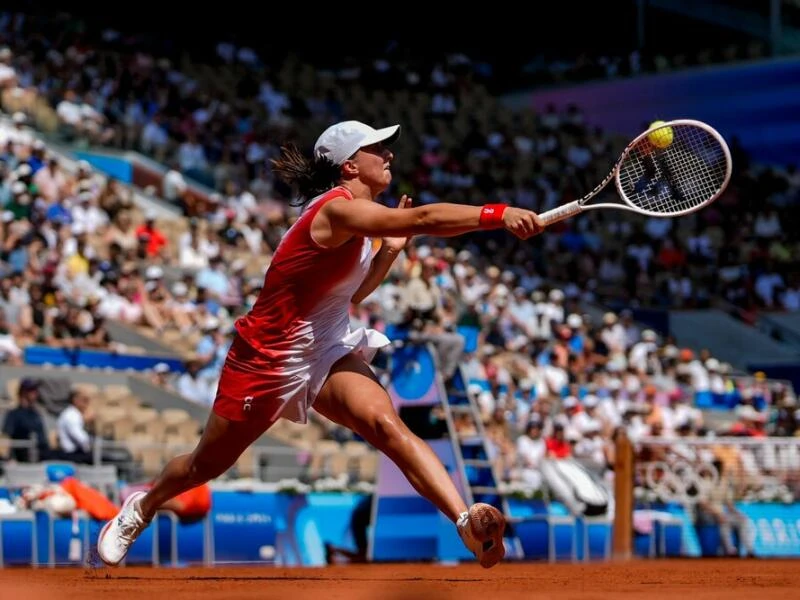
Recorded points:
(677, 178)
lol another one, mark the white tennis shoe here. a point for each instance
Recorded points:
(120, 532)
(481, 529)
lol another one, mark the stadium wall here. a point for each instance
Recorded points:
(756, 101)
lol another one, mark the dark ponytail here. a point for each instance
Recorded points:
(310, 177)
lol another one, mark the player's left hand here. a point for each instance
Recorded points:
(396, 244)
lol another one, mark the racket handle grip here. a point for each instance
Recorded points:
(562, 212)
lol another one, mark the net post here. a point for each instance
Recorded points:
(623, 498)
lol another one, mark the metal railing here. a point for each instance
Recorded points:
(267, 464)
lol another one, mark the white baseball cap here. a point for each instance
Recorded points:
(340, 141)
(153, 272)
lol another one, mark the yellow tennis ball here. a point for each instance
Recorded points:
(661, 138)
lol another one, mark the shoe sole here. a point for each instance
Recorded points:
(488, 526)
(103, 531)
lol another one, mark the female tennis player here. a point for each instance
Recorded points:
(295, 349)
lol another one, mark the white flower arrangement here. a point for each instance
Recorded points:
(363, 487)
(771, 493)
(520, 490)
(644, 494)
(331, 484)
(340, 484)
(292, 486)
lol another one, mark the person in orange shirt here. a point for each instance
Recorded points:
(149, 235)
(557, 445)
(191, 505)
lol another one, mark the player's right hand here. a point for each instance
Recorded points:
(522, 223)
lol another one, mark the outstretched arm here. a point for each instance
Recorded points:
(341, 219)
(380, 266)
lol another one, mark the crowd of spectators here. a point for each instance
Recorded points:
(562, 70)
(221, 126)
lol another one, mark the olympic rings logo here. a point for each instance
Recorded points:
(681, 481)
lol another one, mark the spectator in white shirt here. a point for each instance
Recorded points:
(174, 186)
(86, 215)
(19, 134)
(69, 110)
(522, 312)
(613, 334)
(192, 387)
(591, 447)
(588, 417)
(640, 352)
(193, 255)
(74, 440)
(715, 378)
(8, 76)
(531, 451)
(680, 412)
(698, 375)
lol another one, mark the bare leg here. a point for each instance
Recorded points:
(222, 443)
(353, 397)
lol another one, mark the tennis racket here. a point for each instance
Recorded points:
(667, 171)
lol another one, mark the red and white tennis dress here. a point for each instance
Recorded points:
(299, 326)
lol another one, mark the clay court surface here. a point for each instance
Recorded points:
(674, 579)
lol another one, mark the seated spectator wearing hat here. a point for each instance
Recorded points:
(20, 134)
(25, 423)
(642, 356)
(74, 440)
(716, 382)
(212, 349)
(10, 352)
(589, 416)
(590, 449)
(613, 334)
(698, 376)
(8, 75)
(85, 211)
(750, 423)
(192, 386)
(760, 389)
(183, 307)
(162, 376)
